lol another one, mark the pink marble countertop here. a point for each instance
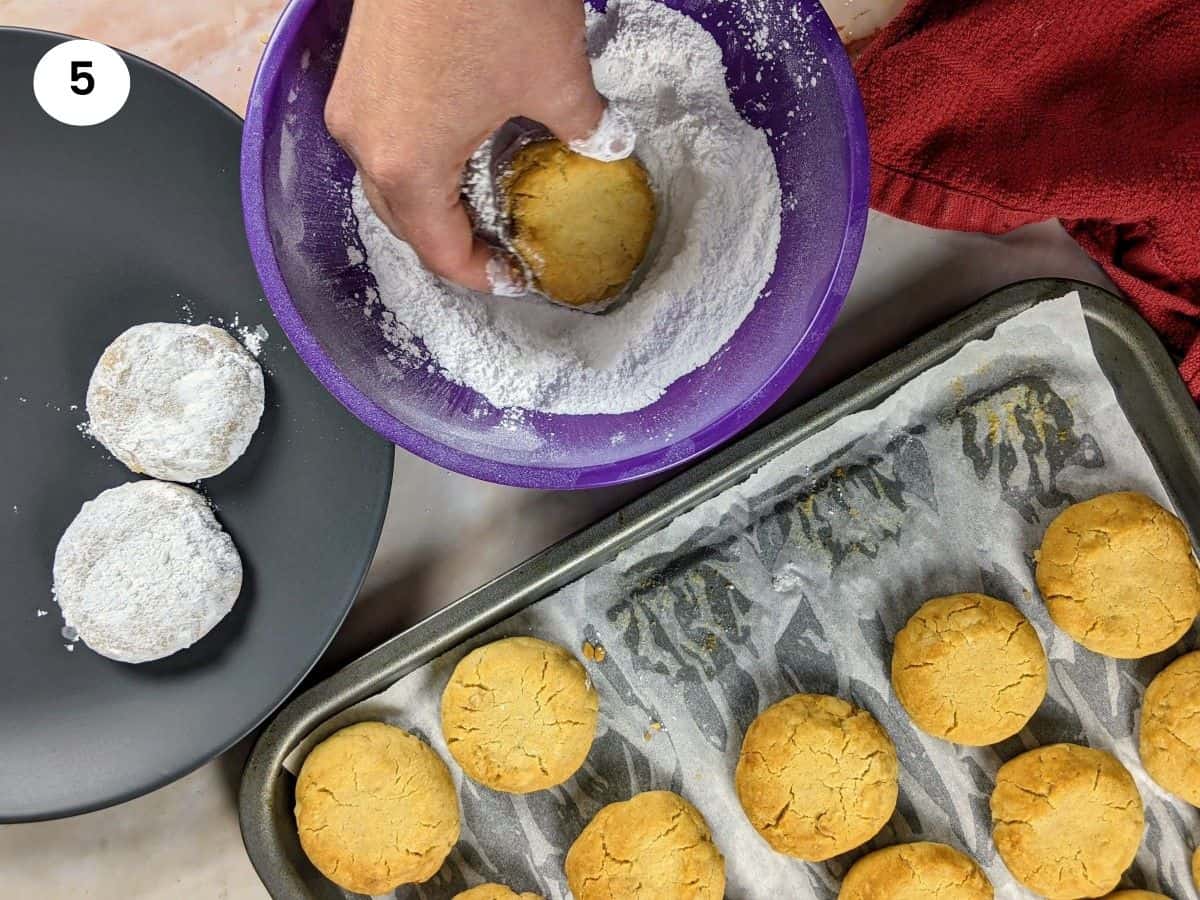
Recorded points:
(183, 840)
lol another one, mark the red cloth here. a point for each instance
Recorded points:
(989, 114)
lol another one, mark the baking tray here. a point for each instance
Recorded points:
(1143, 376)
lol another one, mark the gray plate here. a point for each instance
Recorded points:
(102, 228)
(1146, 384)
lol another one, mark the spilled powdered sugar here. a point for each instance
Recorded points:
(715, 178)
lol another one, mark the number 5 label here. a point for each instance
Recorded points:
(81, 83)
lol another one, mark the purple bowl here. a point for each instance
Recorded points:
(295, 191)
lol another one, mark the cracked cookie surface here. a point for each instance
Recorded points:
(1169, 737)
(817, 776)
(376, 808)
(654, 846)
(969, 669)
(918, 871)
(1067, 820)
(519, 714)
(494, 892)
(1118, 575)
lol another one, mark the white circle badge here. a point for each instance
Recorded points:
(81, 83)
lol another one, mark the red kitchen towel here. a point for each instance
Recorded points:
(989, 114)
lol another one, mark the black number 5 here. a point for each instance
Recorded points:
(82, 81)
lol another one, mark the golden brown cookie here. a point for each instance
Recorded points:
(654, 846)
(375, 808)
(494, 892)
(817, 776)
(920, 871)
(1196, 868)
(1169, 738)
(1136, 895)
(519, 714)
(969, 669)
(581, 226)
(1118, 575)
(1067, 820)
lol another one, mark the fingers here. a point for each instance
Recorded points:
(436, 225)
(583, 120)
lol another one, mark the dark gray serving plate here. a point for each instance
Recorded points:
(138, 220)
(1146, 384)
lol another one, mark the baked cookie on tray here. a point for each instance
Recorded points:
(817, 776)
(376, 808)
(1118, 575)
(1067, 820)
(920, 871)
(969, 669)
(519, 714)
(654, 846)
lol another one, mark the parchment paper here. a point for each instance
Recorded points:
(797, 580)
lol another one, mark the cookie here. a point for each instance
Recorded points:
(920, 871)
(1169, 738)
(519, 715)
(655, 846)
(178, 402)
(1118, 575)
(582, 227)
(1136, 895)
(1067, 820)
(494, 892)
(375, 808)
(145, 570)
(969, 669)
(817, 776)
(1196, 868)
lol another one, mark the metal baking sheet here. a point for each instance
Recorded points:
(1147, 387)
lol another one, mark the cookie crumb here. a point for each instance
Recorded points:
(594, 652)
(655, 728)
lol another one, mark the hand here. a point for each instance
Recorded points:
(422, 83)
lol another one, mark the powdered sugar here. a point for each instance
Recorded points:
(145, 570)
(613, 139)
(253, 338)
(715, 177)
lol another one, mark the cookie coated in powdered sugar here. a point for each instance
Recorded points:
(178, 402)
(145, 570)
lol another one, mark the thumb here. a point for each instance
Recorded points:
(591, 126)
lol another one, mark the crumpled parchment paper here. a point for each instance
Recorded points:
(797, 580)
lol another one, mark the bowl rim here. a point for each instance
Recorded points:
(671, 456)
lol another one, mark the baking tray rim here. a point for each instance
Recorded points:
(573, 557)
